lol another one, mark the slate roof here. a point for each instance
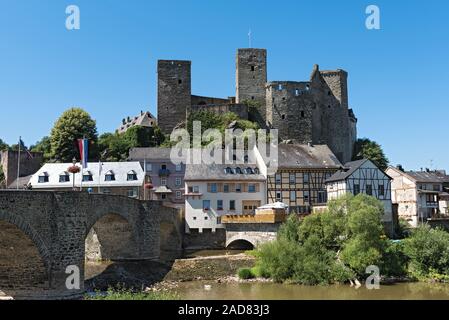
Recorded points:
(348, 170)
(218, 172)
(429, 177)
(292, 156)
(139, 154)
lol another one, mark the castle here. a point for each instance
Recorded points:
(305, 112)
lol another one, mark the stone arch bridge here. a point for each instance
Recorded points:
(43, 233)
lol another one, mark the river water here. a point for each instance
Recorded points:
(199, 290)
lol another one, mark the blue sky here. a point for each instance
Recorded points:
(398, 76)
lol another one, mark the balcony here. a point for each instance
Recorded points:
(164, 172)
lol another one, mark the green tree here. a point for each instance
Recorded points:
(73, 124)
(365, 148)
(3, 145)
(44, 146)
(2, 178)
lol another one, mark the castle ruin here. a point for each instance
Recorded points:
(306, 112)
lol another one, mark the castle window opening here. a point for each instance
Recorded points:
(252, 97)
(329, 93)
(283, 117)
(252, 68)
(179, 81)
(280, 87)
(302, 114)
(329, 106)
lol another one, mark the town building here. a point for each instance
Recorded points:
(299, 181)
(420, 195)
(314, 111)
(216, 190)
(117, 178)
(363, 176)
(166, 177)
(144, 119)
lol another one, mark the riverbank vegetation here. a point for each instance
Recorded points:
(125, 294)
(337, 246)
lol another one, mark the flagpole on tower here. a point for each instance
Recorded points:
(18, 165)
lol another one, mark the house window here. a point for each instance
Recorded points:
(43, 178)
(306, 178)
(226, 188)
(178, 168)
(293, 196)
(252, 188)
(356, 189)
(206, 205)
(106, 190)
(164, 167)
(87, 177)
(64, 178)
(292, 178)
(252, 68)
(278, 196)
(132, 176)
(278, 178)
(381, 190)
(213, 188)
(369, 189)
(196, 189)
(238, 187)
(163, 196)
(436, 187)
(178, 181)
(219, 204)
(232, 205)
(132, 193)
(206, 218)
(110, 176)
(296, 92)
(148, 167)
(194, 218)
(178, 194)
(306, 197)
(322, 197)
(179, 81)
(163, 181)
(280, 87)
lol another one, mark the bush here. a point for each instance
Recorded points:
(428, 251)
(245, 273)
(259, 272)
(394, 260)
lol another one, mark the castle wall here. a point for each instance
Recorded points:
(174, 93)
(289, 109)
(241, 110)
(9, 162)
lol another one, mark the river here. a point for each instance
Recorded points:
(196, 290)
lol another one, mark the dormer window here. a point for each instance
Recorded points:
(238, 170)
(132, 176)
(249, 171)
(109, 176)
(64, 177)
(87, 177)
(43, 178)
(256, 170)
(228, 170)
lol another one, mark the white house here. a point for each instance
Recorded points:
(213, 191)
(420, 195)
(119, 178)
(363, 176)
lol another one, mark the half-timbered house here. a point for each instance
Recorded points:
(363, 176)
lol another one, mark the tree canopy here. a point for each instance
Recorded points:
(3, 145)
(365, 148)
(73, 124)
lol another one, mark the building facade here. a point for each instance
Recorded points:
(420, 195)
(144, 119)
(166, 177)
(300, 178)
(213, 191)
(363, 176)
(117, 178)
(9, 161)
(314, 111)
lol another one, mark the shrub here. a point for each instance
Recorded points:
(245, 273)
(259, 272)
(428, 250)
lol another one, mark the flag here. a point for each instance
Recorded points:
(83, 145)
(23, 147)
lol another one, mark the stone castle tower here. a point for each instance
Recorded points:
(314, 111)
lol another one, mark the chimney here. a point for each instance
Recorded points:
(123, 121)
(400, 167)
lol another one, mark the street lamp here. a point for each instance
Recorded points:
(74, 169)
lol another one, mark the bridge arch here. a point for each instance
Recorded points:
(24, 258)
(245, 242)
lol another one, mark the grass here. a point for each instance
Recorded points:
(125, 294)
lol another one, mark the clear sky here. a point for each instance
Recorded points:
(398, 76)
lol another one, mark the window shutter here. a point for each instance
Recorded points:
(220, 187)
(208, 187)
(257, 187)
(232, 187)
(245, 187)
